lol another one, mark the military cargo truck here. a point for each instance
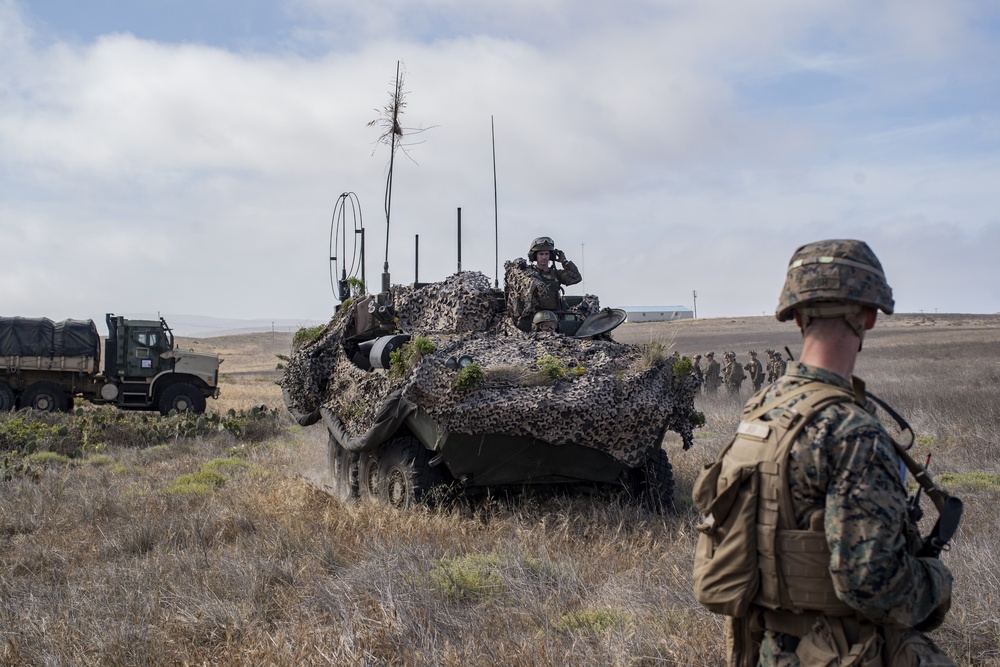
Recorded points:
(433, 385)
(45, 364)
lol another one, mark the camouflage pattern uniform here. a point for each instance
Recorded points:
(755, 370)
(777, 365)
(712, 377)
(844, 465)
(697, 370)
(733, 374)
(545, 286)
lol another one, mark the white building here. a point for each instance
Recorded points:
(657, 313)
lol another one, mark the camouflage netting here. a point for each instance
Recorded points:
(609, 396)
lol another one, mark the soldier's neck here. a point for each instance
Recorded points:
(837, 355)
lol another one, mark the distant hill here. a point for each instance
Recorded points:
(200, 326)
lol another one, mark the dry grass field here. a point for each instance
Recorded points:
(105, 560)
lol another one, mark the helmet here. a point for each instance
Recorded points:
(753, 353)
(544, 316)
(542, 243)
(697, 357)
(710, 354)
(841, 271)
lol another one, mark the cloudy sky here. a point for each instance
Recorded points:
(183, 156)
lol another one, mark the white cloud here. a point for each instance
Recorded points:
(663, 137)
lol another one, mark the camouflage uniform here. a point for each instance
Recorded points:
(712, 377)
(755, 370)
(697, 370)
(777, 365)
(733, 374)
(544, 286)
(844, 465)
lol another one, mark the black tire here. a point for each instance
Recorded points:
(7, 397)
(368, 477)
(44, 396)
(182, 397)
(652, 483)
(343, 471)
(405, 476)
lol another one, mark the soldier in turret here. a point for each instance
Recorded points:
(546, 280)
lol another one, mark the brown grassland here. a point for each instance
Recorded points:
(106, 560)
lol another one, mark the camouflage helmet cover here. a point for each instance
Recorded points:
(544, 316)
(837, 270)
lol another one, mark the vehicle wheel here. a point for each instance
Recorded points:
(405, 475)
(652, 483)
(182, 397)
(44, 396)
(368, 479)
(343, 469)
(6, 397)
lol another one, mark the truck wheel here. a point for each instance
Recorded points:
(368, 479)
(652, 483)
(182, 397)
(404, 473)
(6, 397)
(343, 468)
(44, 396)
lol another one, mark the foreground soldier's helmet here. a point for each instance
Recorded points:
(841, 271)
(545, 316)
(542, 243)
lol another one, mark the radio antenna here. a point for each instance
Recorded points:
(496, 215)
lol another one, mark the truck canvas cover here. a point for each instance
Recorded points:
(41, 337)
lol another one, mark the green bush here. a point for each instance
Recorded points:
(469, 376)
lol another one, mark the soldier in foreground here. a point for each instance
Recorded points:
(712, 377)
(754, 370)
(844, 579)
(546, 280)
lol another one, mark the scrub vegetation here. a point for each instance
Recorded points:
(221, 549)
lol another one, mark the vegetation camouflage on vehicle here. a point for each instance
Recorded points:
(602, 394)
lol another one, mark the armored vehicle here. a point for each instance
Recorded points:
(45, 364)
(433, 385)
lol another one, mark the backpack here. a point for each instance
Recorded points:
(749, 548)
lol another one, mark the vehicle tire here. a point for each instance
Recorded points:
(343, 471)
(44, 396)
(368, 478)
(182, 397)
(6, 397)
(405, 476)
(652, 483)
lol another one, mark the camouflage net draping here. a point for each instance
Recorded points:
(609, 396)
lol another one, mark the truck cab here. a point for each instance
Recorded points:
(144, 369)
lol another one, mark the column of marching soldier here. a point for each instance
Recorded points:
(730, 374)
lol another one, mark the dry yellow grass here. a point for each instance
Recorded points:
(101, 565)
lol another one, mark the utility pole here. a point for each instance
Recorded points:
(583, 265)
(694, 295)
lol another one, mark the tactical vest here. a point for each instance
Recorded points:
(750, 550)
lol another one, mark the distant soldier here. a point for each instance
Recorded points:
(754, 370)
(777, 365)
(712, 377)
(697, 370)
(733, 374)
